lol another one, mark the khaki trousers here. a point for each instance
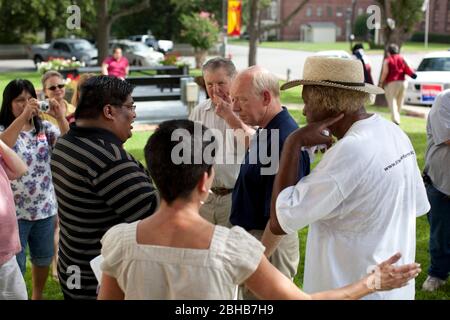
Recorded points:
(217, 209)
(285, 259)
(395, 95)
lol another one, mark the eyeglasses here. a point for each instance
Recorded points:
(53, 88)
(130, 107)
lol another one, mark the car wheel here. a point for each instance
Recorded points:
(37, 59)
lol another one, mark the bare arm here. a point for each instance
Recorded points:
(109, 289)
(269, 283)
(58, 112)
(309, 135)
(14, 166)
(10, 135)
(105, 69)
(384, 74)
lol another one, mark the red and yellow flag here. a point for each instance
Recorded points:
(234, 17)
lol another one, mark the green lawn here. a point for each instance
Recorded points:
(308, 46)
(414, 127)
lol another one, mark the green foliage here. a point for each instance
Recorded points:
(360, 29)
(200, 31)
(432, 37)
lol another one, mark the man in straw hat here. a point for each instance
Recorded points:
(362, 199)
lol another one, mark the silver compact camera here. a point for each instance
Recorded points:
(44, 106)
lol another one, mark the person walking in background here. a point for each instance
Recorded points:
(437, 180)
(33, 140)
(393, 80)
(116, 65)
(12, 284)
(358, 53)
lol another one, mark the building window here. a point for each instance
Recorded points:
(360, 11)
(319, 11)
(329, 12)
(308, 12)
(339, 12)
(338, 32)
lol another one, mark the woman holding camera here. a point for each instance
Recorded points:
(53, 86)
(32, 139)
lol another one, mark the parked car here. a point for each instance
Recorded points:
(163, 46)
(433, 76)
(137, 53)
(78, 49)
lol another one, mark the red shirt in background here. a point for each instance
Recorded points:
(117, 68)
(397, 68)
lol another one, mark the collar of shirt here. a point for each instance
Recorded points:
(279, 118)
(99, 133)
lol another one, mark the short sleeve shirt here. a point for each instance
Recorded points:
(34, 194)
(116, 68)
(158, 272)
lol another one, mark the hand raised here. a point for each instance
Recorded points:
(315, 133)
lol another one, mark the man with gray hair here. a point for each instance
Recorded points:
(362, 199)
(218, 73)
(256, 99)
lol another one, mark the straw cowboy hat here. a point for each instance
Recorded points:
(334, 72)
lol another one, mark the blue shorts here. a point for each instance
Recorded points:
(38, 235)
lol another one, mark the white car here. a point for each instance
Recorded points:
(334, 54)
(137, 53)
(433, 76)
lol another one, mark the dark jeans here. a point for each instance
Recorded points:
(439, 219)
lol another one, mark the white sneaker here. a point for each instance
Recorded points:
(432, 284)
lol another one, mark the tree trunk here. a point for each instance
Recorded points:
(253, 32)
(103, 29)
(48, 34)
(200, 57)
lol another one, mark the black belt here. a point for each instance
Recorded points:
(221, 191)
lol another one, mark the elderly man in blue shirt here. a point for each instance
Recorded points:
(255, 99)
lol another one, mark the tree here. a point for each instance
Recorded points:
(407, 14)
(109, 12)
(201, 32)
(255, 29)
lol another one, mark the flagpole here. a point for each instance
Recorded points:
(427, 22)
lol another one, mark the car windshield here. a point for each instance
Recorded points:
(435, 64)
(81, 45)
(139, 47)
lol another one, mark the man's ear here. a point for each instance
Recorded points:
(267, 97)
(108, 112)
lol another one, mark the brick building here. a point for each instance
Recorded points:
(439, 17)
(322, 13)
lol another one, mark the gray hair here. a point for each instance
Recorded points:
(264, 80)
(334, 99)
(217, 63)
(48, 75)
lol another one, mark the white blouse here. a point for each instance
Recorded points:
(157, 272)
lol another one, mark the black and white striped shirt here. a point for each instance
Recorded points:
(98, 185)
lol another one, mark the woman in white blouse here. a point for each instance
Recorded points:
(176, 254)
